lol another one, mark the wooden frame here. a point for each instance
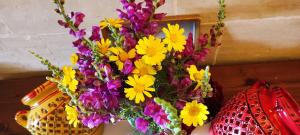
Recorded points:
(184, 18)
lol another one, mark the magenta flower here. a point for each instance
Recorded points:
(95, 33)
(141, 125)
(201, 55)
(180, 104)
(203, 39)
(114, 84)
(78, 34)
(107, 70)
(151, 109)
(161, 118)
(128, 67)
(94, 120)
(139, 14)
(92, 98)
(62, 23)
(77, 18)
(156, 113)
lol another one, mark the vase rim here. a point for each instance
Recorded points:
(37, 94)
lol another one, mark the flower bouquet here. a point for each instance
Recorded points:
(154, 83)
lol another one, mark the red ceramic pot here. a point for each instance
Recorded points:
(258, 110)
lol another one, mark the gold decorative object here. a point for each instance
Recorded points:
(47, 115)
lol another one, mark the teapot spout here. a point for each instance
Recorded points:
(21, 118)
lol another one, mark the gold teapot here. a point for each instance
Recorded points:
(47, 115)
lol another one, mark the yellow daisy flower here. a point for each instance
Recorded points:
(74, 58)
(143, 69)
(194, 113)
(174, 37)
(117, 23)
(196, 75)
(152, 49)
(69, 80)
(103, 46)
(120, 56)
(68, 71)
(72, 115)
(140, 86)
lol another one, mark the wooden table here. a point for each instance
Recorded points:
(232, 77)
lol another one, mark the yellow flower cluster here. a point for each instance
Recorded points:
(72, 115)
(153, 52)
(69, 80)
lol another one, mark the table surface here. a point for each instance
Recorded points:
(233, 78)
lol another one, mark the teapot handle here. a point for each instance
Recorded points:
(287, 109)
(21, 118)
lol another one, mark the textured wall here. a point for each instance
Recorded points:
(256, 30)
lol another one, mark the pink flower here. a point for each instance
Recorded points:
(128, 67)
(161, 118)
(77, 17)
(95, 33)
(141, 124)
(203, 39)
(156, 113)
(114, 84)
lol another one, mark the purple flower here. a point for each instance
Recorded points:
(92, 98)
(78, 34)
(159, 16)
(156, 113)
(95, 33)
(128, 67)
(200, 55)
(151, 109)
(114, 84)
(77, 43)
(139, 14)
(189, 47)
(62, 23)
(107, 70)
(77, 17)
(185, 82)
(180, 104)
(203, 39)
(160, 3)
(141, 124)
(84, 50)
(94, 120)
(161, 118)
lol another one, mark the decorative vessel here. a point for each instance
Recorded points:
(47, 114)
(258, 110)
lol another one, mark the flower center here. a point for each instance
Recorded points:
(173, 37)
(151, 51)
(143, 70)
(194, 111)
(198, 76)
(123, 56)
(139, 88)
(103, 50)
